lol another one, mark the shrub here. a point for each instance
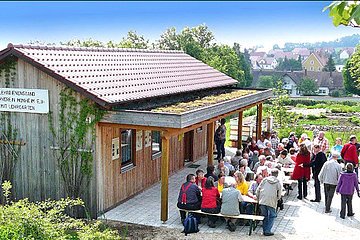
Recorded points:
(47, 220)
(312, 117)
(285, 132)
(355, 120)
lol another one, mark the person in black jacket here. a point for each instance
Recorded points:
(189, 196)
(318, 159)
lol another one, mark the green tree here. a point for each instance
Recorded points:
(194, 41)
(344, 13)
(225, 59)
(308, 87)
(244, 61)
(289, 65)
(330, 65)
(169, 40)
(351, 73)
(133, 40)
(266, 82)
(85, 43)
(278, 109)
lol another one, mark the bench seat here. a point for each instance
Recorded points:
(250, 217)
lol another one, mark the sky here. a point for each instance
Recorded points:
(248, 23)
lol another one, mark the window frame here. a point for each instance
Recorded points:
(156, 155)
(129, 164)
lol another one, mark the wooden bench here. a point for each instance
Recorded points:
(287, 184)
(250, 217)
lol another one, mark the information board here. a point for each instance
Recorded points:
(24, 100)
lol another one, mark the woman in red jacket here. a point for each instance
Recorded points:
(300, 173)
(210, 200)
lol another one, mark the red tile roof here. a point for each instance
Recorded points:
(115, 75)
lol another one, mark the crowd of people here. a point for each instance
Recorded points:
(255, 172)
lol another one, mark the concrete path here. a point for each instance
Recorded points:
(299, 217)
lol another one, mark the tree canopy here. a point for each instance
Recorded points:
(351, 73)
(330, 65)
(345, 13)
(289, 65)
(266, 82)
(308, 87)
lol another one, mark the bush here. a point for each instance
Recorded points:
(47, 220)
(335, 93)
(355, 120)
(312, 117)
(285, 132)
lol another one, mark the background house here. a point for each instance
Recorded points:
(346, 53)
(314, 62)
(326, 81)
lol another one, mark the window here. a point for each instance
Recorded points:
(312, 62)
(318, 68)
(127, 143)
(311, 68)
(155, 144)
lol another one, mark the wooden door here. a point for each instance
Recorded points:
(188, 146)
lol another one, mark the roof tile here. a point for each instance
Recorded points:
(117, 75)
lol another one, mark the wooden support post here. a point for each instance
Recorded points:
(239, 131)
(259, 120)
(210, 137)
(165, 141)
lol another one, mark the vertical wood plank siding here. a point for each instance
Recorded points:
(118, 186)
(36, 173)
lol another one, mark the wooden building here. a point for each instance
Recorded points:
(161, 107)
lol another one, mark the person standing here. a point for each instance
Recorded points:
(301, 173)
(189, 196)
(349, 153)
(268, 193)
(337, 148)
(317, 161)
(346, 185)
(220, 138)
(322, 141)
(329, 176)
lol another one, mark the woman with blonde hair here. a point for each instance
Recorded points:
(241, 184)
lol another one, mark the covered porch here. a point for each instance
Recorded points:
(145, 207)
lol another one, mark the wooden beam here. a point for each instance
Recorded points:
(165, 141)
(239, 131)
(259, 120)
(210, 140)
(137, 127)
(177, 131)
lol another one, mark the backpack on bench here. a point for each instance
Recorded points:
(190, 224)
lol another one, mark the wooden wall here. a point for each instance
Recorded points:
(200, 143)
(36, 173)
(115, 187)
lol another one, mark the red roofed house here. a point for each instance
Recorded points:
(161, 107)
